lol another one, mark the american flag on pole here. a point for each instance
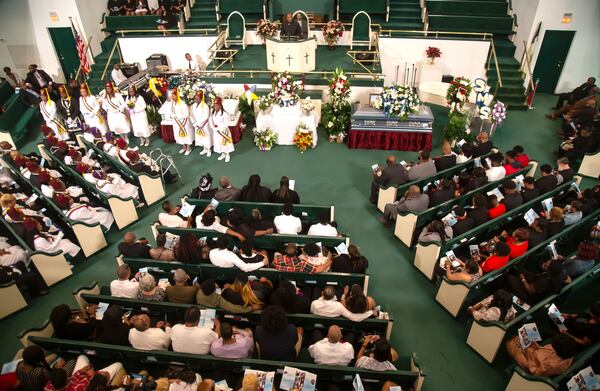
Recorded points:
(81, 50)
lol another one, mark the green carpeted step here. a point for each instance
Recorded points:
(405, 11)
(410, 19)
(504, 47)
(404, 26)
(483, 24)
(467, 8)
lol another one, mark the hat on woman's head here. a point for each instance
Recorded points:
(121, 143)
(62, 200)
(30, 224)
(53, 141)
(46, 131)
(62, 146)
(205, 182)
(14, 214)
(95, 132)
(44, 177)
(133, 156)
(57, 184)
(109, 136)
(82, 168)
(20, 161)
(73, 153)
(32, 165)
(98, 174)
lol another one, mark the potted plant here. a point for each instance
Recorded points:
(456, 128)
(332, 31)
(154, 117)
(265, 139)
(432, 53)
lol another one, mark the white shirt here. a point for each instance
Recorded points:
(151, 339)
(124, 288)
(327, 353)
(172, 221)
(118, 76)
(333, 308)
(226, 258)
(288, 225)
(180, 385)
(322, 230)
(462, 159)
(195, 340)
(215, 226)
(495, 173)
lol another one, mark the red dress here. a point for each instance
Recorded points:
(494, 262)
(496, 211)
(516, 250)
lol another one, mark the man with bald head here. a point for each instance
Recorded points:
(330, 350)
(132, 248)
(144, 337)
(290, 28)
(482, 144)
(123, 286)
(412, 201)
(227, 192)
(392, 174)
(329, 306)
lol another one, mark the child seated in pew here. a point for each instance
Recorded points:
(494, 308)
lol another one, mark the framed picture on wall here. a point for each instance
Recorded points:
(372, 99)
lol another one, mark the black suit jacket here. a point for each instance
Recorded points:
(28, 98)
(463, 226)
(530, 194)
(482, 148)
(567, 174)
(68, 108)
(262, 194)
(479, 215)
(440, 196)
(134, 250)
(395, 174)
(546, 183)
(31, 79)
(512, 201)
(445, 162)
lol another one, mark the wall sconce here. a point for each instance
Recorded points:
(566, 19)
(53, 17)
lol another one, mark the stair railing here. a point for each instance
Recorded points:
(493, 55)
(424, 14)
(387, 11)
(217, 10)
(526, 67)
(110, 56)
(187, 11)
(515, 25)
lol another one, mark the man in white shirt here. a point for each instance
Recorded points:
(170, 216)
(330, 351)
(323, 228)
(328, 306)
(124, 287)
(496, 171)
(189, 337)
(221, 256)
(143, 337)
(117, 75)
(286, 223)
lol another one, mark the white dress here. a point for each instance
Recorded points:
(51, 243)
(50, 115)
(139, 119)
(14, 254)
(182, 127)
(90, 215)
(115, 110)
(89, 107)
(166, 112)
(219, 123)
(114, 185)
(199, 116)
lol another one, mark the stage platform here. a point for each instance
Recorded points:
(254, 58)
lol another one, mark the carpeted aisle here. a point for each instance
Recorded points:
(333, 174)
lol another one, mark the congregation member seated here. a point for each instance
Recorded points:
(464, 223)
(447, 160)
(393, 174)
(496, 171)
(564, 169)
(276, 338)
(116, 7)
(465, 153)
(412, 201)
(529, 191)
(188, 250)
(353, 262)
(209, 220)
(292, 299)
(577, 146)
(578, 93)
(328, 306)
(149, 289)
(124, 285)
(144, 337)
(573, 213)
(323, 227)
(423, 169)
(584, 327)
(129, 7)
(583, 260)
(511, 164)
(181, 292)
(115, 328)
(589, 100)
(223, 257)
(204, 190)
(132, 248)
(556, 222)
(482, 144)
(170, 216)
(136, 164)
(494, 308)
(356, 301)
(478, 211)
(258, 222)
(331, 350)
(284, 194)
(226, 191)
(160, 252)
(251, 255)
(478, 178)
(141, 8)
(315, 255)
(254, 192)
(233, 343)
(468, 271)
(532, 287)
(236, 221)
(512, 199)
(380, 356)
(495, 208)
(207, 296)
(442, 193)
(27, 281)
(547, 360)
(247, 292)
(537, 232)
(286, 223)
(188, 337)
(83, 376)
(76, 326)
(518, 241)
(436, 232)
(521, 156)
(499, 257)
(34, 371)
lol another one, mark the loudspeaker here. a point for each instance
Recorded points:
(130, 69)
(447, 78)
(156, 60)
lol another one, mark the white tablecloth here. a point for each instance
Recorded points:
(284, 120)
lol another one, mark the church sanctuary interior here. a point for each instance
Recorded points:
(329, 195)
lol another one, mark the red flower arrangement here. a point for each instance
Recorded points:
(432, 53)
(332, 31)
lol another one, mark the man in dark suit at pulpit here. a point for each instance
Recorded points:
(290, 28)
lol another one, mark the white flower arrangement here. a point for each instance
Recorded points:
(307, 105)
(285, 89)
(190, 87)
(398, 101)
(265, 139)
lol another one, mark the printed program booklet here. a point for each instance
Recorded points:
(294, 378)
(186, 209)
(584, 380)
(529, 333)
(530, 216)
(265, 379)
(547, 204)
(497, 193)
(557, 318)
(449, 219)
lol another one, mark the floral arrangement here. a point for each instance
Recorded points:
(499, 113)
(285, 89)
(265, 139)
(265, 28)
(432, 53)
(303, 138)
(264, 102)
(335, 115)
(154, 117)
(246, 105)
(307, 105)
(158, 86)
(189, 87)
(332, 31)
(398, 101)
(458, 92)
(457, 126)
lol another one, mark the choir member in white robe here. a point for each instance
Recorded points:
(44, 241)
(109, 146)
(182, 127)
(11, 254)
(84, 213)
(137, 113)
(166, 123)
(199, 115)
(89, 106)
(112, 184)
(115, 108)
(49, 112)
(219, 123)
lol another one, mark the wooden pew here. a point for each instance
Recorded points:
(124, 210)
(12, 299)
(15, 121)
(428, 254)
(152, 186)
(590, 165)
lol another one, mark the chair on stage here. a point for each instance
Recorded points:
(360, 34)
(305, 25)
(236, 30)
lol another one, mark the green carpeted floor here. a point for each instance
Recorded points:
(333, 174)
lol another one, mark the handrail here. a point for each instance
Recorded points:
(527, 69)
(436, 34)
(324, 74)
(424, 14)
(112, 52)
(493, 54)
(375, 60)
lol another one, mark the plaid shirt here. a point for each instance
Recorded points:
(79, 381)
(292, 264)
